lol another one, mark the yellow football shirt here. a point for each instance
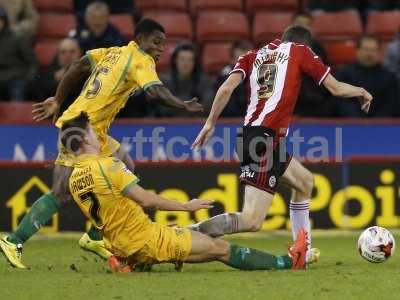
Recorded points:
(117, 73)
(97, 186)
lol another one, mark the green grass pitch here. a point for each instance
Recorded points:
(60, 270)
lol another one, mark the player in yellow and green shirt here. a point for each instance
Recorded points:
(109, 195)
(113, 74)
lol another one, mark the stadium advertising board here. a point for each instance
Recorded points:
(171, 140)
(348, 196)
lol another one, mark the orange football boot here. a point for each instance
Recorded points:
(298, 251)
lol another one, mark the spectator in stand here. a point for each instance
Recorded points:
(68, 51)
(116, 7)
(392, 57)
(97, 32)
(370, 74)
(311, 95)
(186, 79)
(23, 17)
(237, 104)
(17, 60)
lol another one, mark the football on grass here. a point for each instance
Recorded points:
(376, 244)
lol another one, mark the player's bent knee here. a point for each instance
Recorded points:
(308, 183)
(305, 184)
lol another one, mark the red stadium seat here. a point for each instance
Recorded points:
(16, 111)
(55, 26)
(337, 26)
(162, 5)
(271, 5)
(341, 53)
(165, 60)
(54, 5)
(268, 26)
(383, 24)
(216, 56)
(177, 25)
(202, 5)
(222, 26)
(124, 24)
(46, 51)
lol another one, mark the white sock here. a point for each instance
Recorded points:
(300, 217)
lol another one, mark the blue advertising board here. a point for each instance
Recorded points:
(161, 140)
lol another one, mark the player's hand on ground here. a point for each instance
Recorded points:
(197, 204)
(365, 101)
(203, 136)
(193, 105)
(46, 109)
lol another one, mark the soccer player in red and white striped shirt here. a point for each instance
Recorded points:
(272, 76)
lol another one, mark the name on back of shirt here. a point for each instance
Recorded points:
(271, 58)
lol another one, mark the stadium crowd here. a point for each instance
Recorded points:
(30, 71)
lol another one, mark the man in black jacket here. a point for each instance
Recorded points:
(97, 32)
(17, 62)
(371, 74)
(49, 78)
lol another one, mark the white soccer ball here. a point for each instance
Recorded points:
(376, 244)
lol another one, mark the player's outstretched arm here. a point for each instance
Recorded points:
(221, 99)
(163, 95)
(150, 200)
(51, 106)
(345, 90)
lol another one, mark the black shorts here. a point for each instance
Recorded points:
(263, 157)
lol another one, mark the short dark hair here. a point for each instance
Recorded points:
(148, 26)
(73, 132)
(297, 34)
(367, 37)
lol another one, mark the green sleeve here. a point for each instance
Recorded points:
(129, 185)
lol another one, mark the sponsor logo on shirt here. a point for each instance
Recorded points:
(247, 173)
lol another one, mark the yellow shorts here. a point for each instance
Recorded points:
(167, 244)
(67, 159)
